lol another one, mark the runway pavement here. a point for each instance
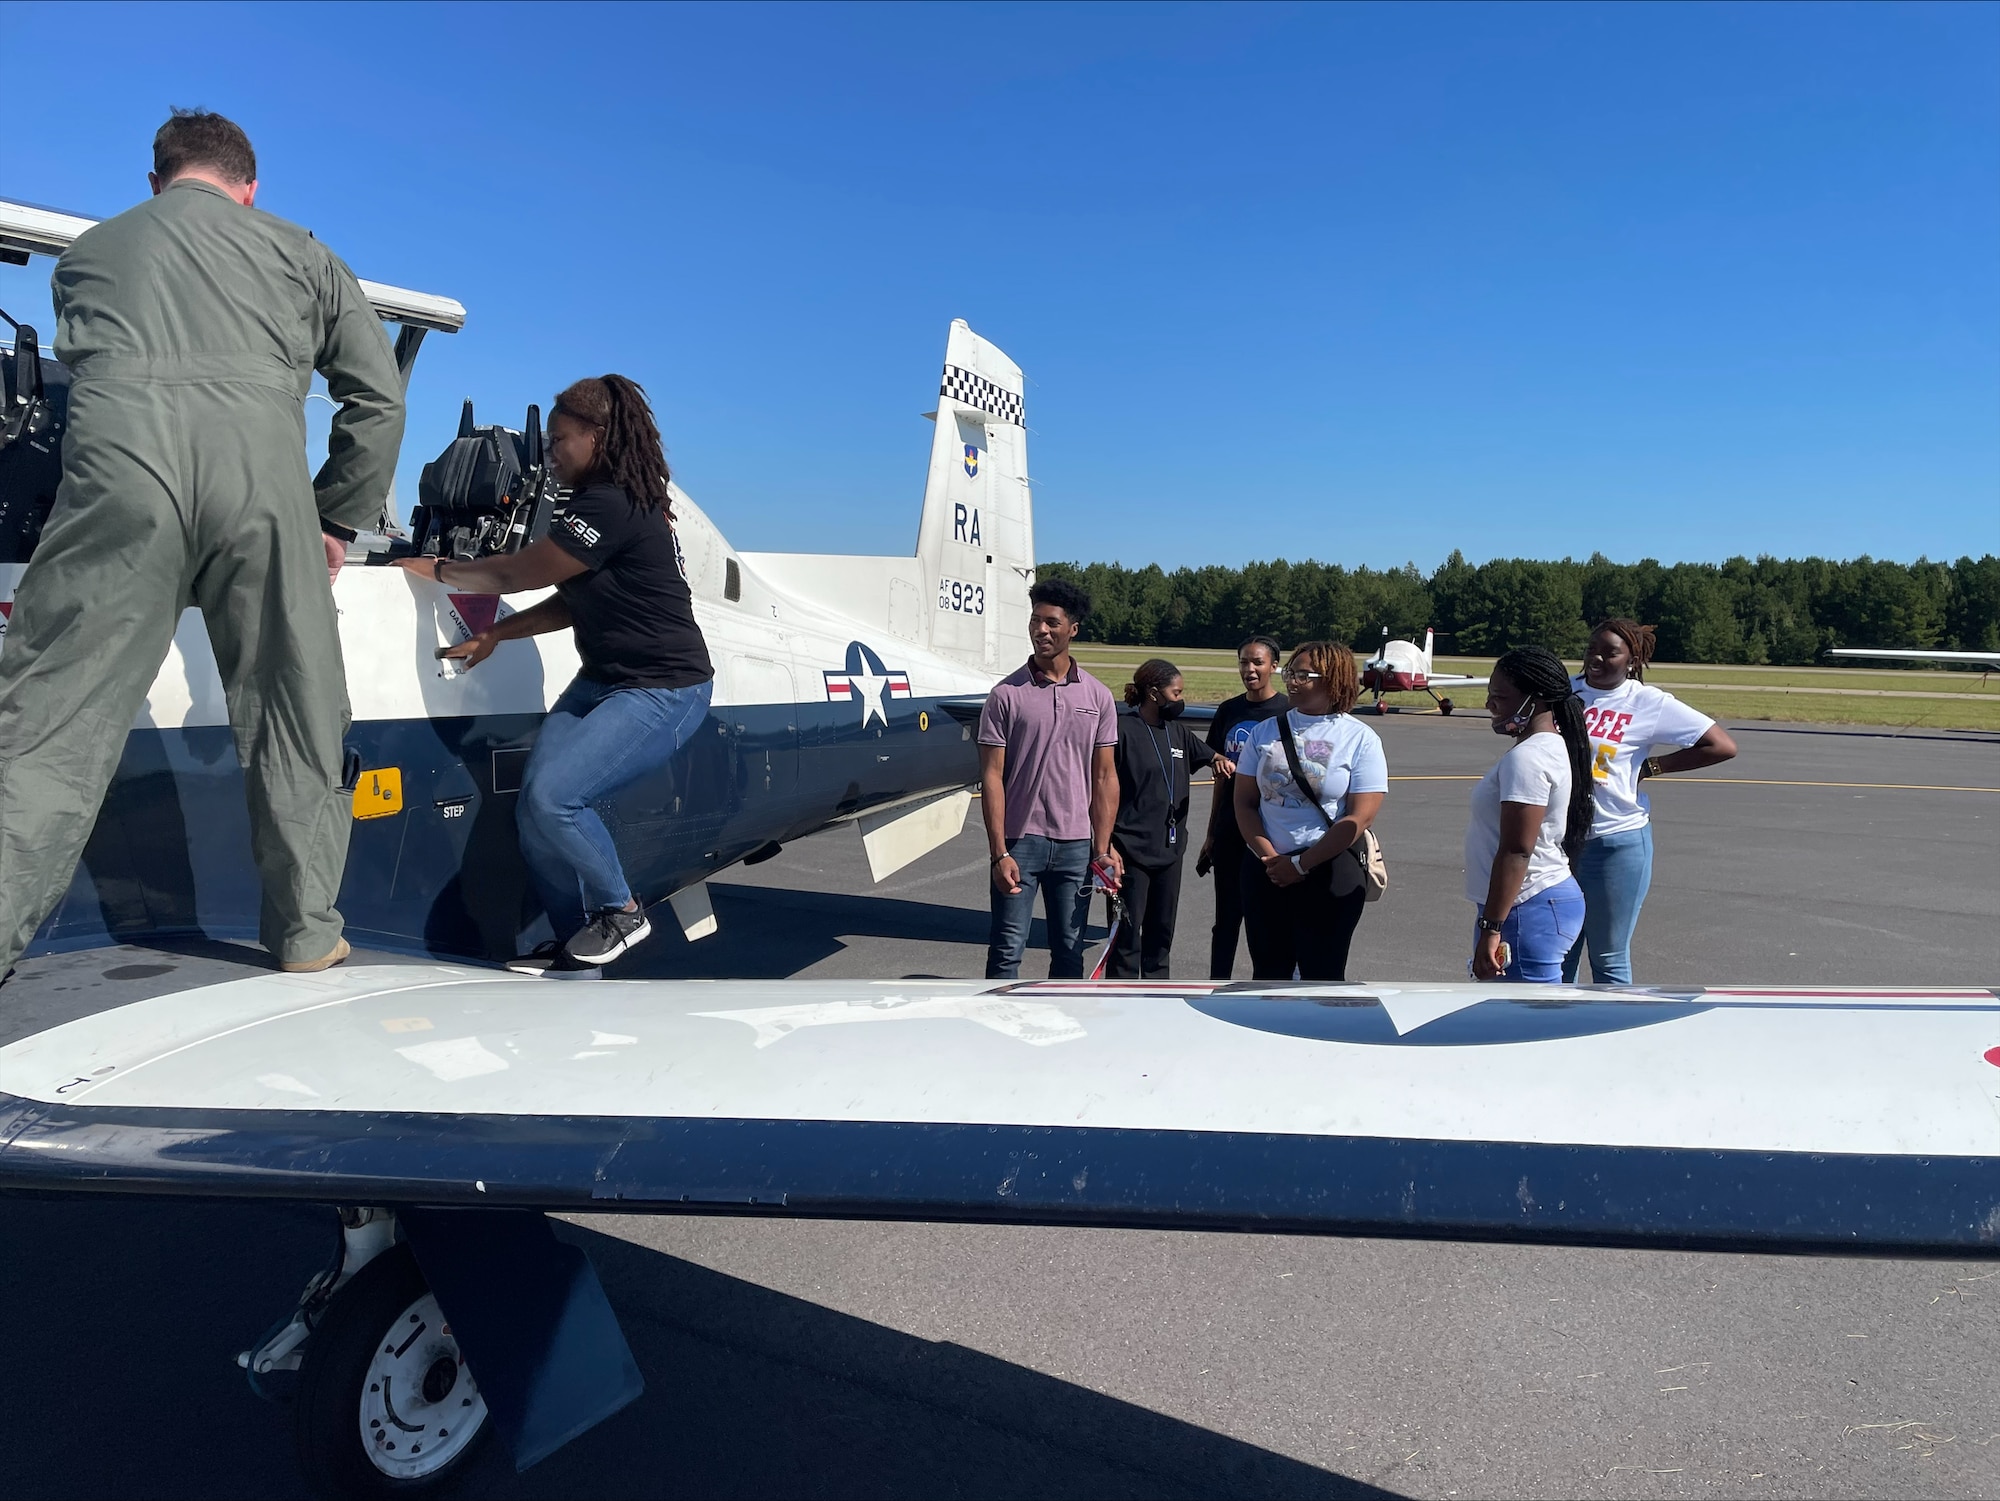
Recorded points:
(857, 1359)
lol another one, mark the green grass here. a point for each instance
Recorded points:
(1929, 700)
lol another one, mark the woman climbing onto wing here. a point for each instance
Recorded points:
(1626, 718)
(1530, 817)
(644, 686)
(1156, 756)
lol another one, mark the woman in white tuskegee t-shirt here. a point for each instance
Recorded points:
(1626, 718)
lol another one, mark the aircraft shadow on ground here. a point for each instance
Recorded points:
(771, 933)
(749, 1392)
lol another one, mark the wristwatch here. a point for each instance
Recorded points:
(1488, 925)
(1650, 767)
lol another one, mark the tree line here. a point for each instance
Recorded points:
(1777, 610)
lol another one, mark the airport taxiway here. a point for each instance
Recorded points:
(862, 1359)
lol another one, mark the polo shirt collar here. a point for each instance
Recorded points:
(1042, 679)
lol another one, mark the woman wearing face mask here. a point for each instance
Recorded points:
(1530, 816)
(644, 689)
(1156, 756)
(1626, 719)
(1222, 850)
(1299, 910)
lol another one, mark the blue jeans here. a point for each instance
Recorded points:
(1614, 872)
(1061, 868)
(598, 738)
(1540, 931)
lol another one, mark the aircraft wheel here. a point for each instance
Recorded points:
(385, 1404)
(1445, 706)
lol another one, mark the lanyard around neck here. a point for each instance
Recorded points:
(1157, 756)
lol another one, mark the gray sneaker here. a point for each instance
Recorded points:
(608, 934)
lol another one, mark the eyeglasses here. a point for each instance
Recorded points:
(1301, 675)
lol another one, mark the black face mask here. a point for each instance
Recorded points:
(1171, 708)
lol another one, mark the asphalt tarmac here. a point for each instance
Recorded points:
(850, 1359)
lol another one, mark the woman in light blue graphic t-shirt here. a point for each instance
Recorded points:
(1295, 914)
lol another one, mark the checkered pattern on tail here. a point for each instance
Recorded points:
(977, 391)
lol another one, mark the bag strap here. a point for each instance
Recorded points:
(1298, 770)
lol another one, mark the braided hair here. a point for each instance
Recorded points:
(1541, 675)
(1638, 639)
(629, 455)
(1154, 672)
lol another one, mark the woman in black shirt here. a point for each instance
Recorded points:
(1155, 757)
(644, 689)
(1224, 851)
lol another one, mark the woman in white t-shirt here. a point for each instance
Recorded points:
(1626, 719)
(1299, 910)
(1530, 816)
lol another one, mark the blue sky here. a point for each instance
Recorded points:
(1352, 282)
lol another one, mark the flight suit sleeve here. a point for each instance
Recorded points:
(352, 486)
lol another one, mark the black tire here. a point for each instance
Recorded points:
(327, 1416)
(1445, 706)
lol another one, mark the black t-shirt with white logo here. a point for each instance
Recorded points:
(633, 611)
(1235, 718)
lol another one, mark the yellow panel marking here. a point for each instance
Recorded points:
(379, 793)
(923, 719)
(407, 1024)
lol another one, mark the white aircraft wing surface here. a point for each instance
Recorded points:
(1811, 1118)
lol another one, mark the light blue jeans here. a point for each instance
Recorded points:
(1614, 872)
(598, 738)
(1539, 931)
(1061, 869)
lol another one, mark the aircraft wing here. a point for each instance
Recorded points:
(1455, 680)
(1988, 660)
(1751, 1117)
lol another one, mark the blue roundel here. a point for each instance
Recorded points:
(1362, 1019)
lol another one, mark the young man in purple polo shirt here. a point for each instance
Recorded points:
(1048, 783)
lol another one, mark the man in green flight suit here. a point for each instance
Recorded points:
(192, 325)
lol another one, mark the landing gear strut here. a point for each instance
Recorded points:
(385, 1404)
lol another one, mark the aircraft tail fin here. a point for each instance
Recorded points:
(1429, 635)
(976, 542)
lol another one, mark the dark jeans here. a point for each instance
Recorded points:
(1304, 924)
(1227, 861)
(1060, 868)
(597, 739)
(1152, 896)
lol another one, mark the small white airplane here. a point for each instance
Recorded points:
(1985, 661)
(1405, 667)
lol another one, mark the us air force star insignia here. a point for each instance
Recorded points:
(870, 687)
(864, 678)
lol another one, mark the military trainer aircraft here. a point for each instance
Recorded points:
(846, 687)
